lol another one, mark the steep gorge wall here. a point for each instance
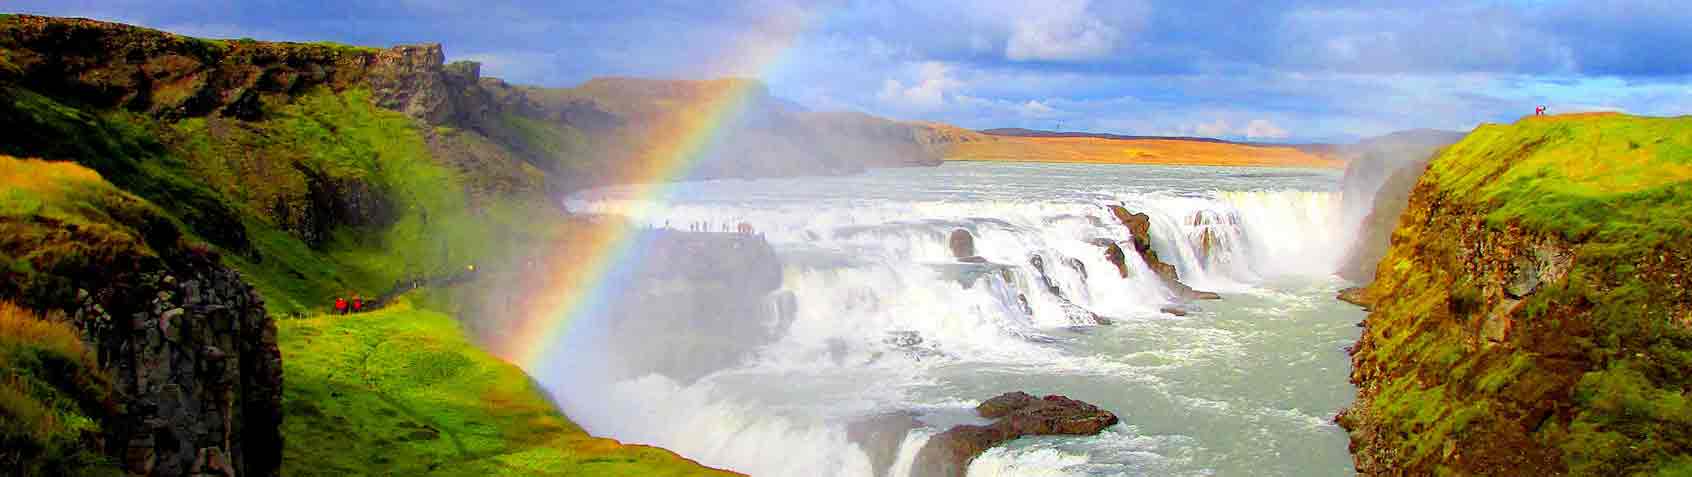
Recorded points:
(187, 344)
(1530, 317)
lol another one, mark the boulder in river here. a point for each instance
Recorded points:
(1113, 253)
(1139, 224)
(962, 243)
(1017, 414)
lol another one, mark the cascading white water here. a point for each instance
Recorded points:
(885, 318)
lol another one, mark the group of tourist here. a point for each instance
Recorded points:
(343, 306)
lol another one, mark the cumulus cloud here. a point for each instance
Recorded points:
(1036, 109)
(1060, 31)
(927, 91)
(1264, 129)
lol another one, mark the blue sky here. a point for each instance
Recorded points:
(1267, 70)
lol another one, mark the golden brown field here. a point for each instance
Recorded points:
(1132, 151)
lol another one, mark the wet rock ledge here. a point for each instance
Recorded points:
(1017, 414)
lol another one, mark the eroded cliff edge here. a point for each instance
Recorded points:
(1531, 315)
(184, 351)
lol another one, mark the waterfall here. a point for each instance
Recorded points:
(877, 299)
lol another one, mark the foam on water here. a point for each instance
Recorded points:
(885, 318)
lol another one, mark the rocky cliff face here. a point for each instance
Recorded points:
(194, 356)
(186, 341)
(1530, 316)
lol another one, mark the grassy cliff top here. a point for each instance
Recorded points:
(1606, 176)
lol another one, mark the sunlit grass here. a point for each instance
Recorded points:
(402, 391)
(51, 393)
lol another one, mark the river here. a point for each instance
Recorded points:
(882, 319)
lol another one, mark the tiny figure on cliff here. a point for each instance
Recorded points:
(1539, 111)
(340, 305)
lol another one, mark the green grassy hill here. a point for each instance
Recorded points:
(1532, 316)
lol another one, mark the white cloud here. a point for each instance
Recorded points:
(1036, 109)
(1060, 31)
(1264, 129)
(1217, 128)
(929, 90)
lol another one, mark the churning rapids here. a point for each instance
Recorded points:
(875, 316)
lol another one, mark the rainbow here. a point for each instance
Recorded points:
(582, 279)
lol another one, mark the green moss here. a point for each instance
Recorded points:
(401, 391)
(1617, 192)
(1495, 379)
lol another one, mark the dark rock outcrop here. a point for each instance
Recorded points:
(962, 243)
(194, 354)
(1139, 225)
(1113, 254)
(1017, 414)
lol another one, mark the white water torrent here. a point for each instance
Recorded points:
(886, 321)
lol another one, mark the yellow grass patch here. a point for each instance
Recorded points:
(1089, 150)
(44, 177)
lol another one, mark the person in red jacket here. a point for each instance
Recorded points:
(358, 304)
(340, 305)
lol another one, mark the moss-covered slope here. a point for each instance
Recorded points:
(402, 391)
(1532, 316)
